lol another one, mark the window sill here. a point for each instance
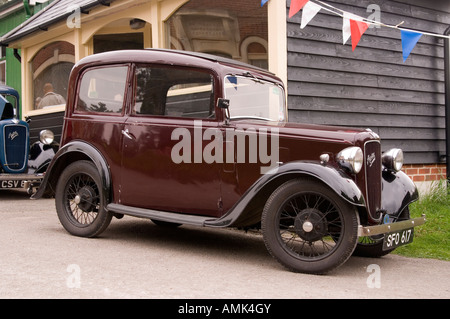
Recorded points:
(47, 110)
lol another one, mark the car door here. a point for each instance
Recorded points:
(169, 130)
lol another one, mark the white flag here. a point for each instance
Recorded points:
(309, 11)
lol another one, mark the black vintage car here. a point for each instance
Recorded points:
(21, 166)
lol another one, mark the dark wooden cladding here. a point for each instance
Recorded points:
(372, 87)
(51, 121)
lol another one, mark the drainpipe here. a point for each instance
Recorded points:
(26, 6)
(17, 55)
(447, 101)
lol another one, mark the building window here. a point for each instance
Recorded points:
(51, 68)
(237, 29)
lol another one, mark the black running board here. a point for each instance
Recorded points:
(159, 215)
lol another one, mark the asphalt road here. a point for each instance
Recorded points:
(135, 258)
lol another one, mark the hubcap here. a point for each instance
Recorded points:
(310, 224)
(85, 199)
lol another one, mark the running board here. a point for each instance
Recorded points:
(159, 215)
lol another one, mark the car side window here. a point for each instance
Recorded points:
(102, 90)
(173, 92)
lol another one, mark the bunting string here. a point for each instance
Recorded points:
(353, 25)
(341, 13)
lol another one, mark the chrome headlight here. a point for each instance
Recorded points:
(46, 137)
(393, 159)
(351, 158)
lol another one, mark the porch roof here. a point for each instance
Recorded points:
(53, 13)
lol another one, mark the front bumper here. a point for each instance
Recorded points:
(24, 181)
(387, 228)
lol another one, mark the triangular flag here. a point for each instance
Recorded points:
(409, 41)
(296, 6)
(346, 26)
(357, 29)
(233, 80)
(263, 2)
(345, 29)
(309, 11)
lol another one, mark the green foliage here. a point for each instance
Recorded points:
(431, 240)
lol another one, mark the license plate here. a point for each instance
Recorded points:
(12, 184)
(398, 238)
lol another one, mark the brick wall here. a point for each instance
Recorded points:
(425, 172)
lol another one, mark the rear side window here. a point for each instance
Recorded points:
(174, 92)
(102, 90)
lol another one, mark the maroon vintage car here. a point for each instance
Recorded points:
(189, 138)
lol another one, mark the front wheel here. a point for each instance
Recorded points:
(308, 228)
(80, 200)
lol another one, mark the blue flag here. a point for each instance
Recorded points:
(263, 2)
(409, 40)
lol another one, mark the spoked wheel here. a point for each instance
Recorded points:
(80, 200)
(308, 228)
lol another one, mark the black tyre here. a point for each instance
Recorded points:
(308, 228)
(80, 200)
(371, 246)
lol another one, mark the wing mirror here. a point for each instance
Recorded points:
(224, 104)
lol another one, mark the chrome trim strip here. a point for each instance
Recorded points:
(20, 177)
(387, 228)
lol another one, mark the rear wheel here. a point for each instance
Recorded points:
(80, 200)
(308, 228)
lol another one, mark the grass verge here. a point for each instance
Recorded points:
(431, 240)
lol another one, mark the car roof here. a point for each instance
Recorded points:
(168, 56)
(211, 57)
(5, 89)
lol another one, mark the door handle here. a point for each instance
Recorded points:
(127, 134)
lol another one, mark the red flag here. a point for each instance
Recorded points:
(296, 6)
(357, 28)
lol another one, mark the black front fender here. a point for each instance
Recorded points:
(41, 156)
(398, 191)
(67, 154)
(333, 178)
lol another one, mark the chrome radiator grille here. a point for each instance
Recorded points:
(372, 156)
(15, 148)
